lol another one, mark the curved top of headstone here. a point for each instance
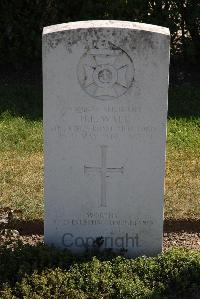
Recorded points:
(105, 24)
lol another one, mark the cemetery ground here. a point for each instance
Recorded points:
(177, 271)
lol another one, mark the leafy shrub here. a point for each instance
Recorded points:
(44, 272)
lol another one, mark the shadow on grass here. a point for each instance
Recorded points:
(23, 101)
(26, 101)
(184, 101)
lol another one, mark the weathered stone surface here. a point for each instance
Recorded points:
(105, 109)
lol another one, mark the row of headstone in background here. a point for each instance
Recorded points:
(105, 110)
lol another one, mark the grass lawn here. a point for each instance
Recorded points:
(21, 147)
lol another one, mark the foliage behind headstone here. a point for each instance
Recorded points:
(22, 22)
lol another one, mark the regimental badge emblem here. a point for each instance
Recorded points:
(105, 74)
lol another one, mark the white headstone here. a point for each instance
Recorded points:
(105, 110)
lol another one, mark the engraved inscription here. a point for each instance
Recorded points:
(104, 173)
(105, 74)
(111, 222)
(110, 121)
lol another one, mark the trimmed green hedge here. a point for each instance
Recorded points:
(43, 272)
(22, 21)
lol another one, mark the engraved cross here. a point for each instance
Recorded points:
(104, 173)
